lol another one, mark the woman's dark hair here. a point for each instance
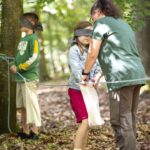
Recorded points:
(80, 25)
(107, 7)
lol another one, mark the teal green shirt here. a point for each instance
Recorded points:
(118, 56)
(27, 58)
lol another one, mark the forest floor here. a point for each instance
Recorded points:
(58, 125)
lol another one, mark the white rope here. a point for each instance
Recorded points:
(9, 99)
(101, 82)
(24, 79)
(124, 81)
(89, 82)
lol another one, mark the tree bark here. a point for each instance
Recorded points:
(51, 45)
(43, 72)
(143, 38)
(10, 34)
(44, 75)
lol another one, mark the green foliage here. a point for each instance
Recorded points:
(59, 18)
(134, 11)
(41, 3)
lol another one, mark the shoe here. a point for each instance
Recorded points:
(33, 136)
(23, 135)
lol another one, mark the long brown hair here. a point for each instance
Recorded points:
(107, 7)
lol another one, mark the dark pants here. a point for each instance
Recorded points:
(123, 109)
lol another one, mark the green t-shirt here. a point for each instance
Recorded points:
(118, 56)
(27, 58)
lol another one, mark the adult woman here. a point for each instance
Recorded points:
(113, 42)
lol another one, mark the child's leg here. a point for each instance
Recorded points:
(81, 135)
(25, 126)
(79, 108)
(86, 139)
(20, 104)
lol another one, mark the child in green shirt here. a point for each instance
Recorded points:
(25, 67)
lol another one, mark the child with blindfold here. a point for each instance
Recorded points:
(25, 66)
(77, 56)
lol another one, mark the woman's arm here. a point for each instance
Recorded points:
(92, 56)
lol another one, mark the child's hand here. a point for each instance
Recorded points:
(85, 78)
(13, 69)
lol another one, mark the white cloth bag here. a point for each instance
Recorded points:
(32, 105)
(92, 105)
(33, 113)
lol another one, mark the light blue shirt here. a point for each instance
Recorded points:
(76, 61)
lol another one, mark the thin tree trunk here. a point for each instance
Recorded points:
(143, 38)
(61, 64)
(43, 71)
(44, 75)
(51, 45)
(10, 34)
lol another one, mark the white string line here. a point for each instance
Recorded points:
(101, 82)
(9, 99)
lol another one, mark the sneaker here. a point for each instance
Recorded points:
(33, 136)
(23, 135)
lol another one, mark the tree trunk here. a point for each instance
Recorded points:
(143, 40)
(44, 75)
(43, 72)
(51, 46)
(10, 34)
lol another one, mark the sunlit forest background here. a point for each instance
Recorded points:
(59, 18)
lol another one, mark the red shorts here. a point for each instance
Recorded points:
(77, 104)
